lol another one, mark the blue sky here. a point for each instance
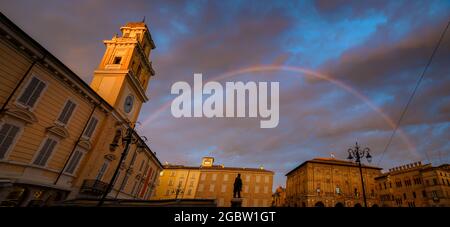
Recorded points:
(378, 48)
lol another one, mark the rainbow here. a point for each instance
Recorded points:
(302, 72)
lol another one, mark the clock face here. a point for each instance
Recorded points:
(128, 105)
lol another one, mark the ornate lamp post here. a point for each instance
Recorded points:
(127, 140)
(359, 154)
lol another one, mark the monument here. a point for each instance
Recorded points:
(236, 201)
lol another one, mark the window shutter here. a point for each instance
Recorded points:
(125, 181)
(29, 91)
(37, 92)
(74, 161)
(67, 112)
(45, 152)
(32, 92)
(7, 135)
(91, 127)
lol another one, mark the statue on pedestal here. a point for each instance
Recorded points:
(236, 201)
(237, 186)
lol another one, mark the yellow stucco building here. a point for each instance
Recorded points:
(209, 181)
(415, 185)
(61, 138)
(329, 182)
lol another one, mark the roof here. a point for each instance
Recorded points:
(332, 161)
(216, 167)
(421, 168)
(141, 25)
(135, 24)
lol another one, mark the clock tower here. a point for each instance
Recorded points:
(125, 70)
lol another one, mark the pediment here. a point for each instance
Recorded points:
(130, 170)
(22, 114)
(85, 144)
(58, 131)
(110, 157)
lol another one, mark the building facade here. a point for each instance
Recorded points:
(209, 181)
(328, 182)
(415, 185)
(61, 138)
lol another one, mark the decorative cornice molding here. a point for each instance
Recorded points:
(85, 144)
(110, 157)
(22, 114)
(58, 131)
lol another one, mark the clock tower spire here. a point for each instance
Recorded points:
(123, 75)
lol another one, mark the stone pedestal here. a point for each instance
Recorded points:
(236, 202)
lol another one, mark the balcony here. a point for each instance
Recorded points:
(93, 187)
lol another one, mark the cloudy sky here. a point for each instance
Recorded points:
(364, 58)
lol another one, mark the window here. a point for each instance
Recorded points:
(191, 184)
(74, 161)
(245, 188)
(200, 187)
(256, 189)
(66, 112)
(136, 193)
(258, 179)
(125, 181)
(146, 168)
(414, 195)
(247, 178)
(117, 60)
(90, 127)
(203, 176)
(404, 196)
(102, 170)
(142, 165)
(138, 71)
(214, 176)
(170, 182)
(266, 189)
(211, 187)
(7, 135)
(134, 188)
(266, 179)
(225, 177)
(32, 92)
(133, 159)
(224, 188)
(117, 178)
(45, 152)
(434, 181)
(189, 192)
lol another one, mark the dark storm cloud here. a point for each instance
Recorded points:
(378, 48)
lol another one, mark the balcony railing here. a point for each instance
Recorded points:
(93, 187)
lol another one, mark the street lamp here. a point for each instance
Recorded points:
(127, 140)
(359, 154)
